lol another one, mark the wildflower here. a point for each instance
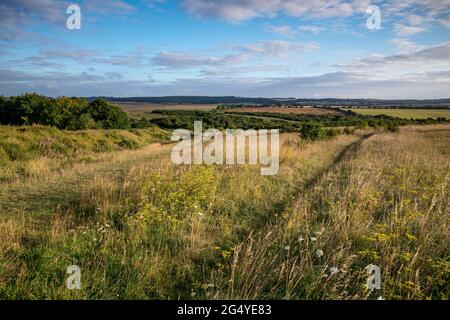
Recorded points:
(319, 253)
(318, 233)
(200, 214)
(300, 239)
(313, 239)
(287, 248)
(380, 298)
(333, 271)
(193, 294)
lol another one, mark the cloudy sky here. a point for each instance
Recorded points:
(266, 48)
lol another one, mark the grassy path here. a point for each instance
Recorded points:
(59, 188)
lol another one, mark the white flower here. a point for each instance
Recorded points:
(301, 239)
(200, 214)
(313, 239)
(318, 233)
(380, 298)
(333, 271)
(287, 248)
(319, 253)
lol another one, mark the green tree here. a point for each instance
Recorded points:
(108, 116)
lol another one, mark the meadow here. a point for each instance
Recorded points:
(405, 113)
(289, 110)
(141, 228)
(139, 110)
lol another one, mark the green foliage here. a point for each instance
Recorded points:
(108, 116)
(312, 132)
(169, 201)
(63, 113)
(141, 123)
(174, 119)
(218, 120)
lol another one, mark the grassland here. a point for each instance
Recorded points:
(139, 110)
(35, 150)
(406, 113)
(140, 227)
(300, 111)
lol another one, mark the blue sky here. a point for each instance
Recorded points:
(265, 48)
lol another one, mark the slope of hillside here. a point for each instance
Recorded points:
(34, 150)
(140, 227)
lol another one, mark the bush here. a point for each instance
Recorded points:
(108, 116)
(312, 132)
(83, 122)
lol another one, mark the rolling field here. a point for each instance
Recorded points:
(141, 228)
(406, 113)
(300, 111)
(139, 110)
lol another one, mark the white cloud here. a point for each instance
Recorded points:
(247, 53)
(279, 48)
(312, 29)
(286, 31)
(382, 67)
(240, 10)
(406, 46)
(405, 30)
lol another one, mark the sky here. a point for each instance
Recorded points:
(249, 48)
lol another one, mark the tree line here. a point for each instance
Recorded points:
(63, 112)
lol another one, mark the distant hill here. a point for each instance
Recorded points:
(329, 102)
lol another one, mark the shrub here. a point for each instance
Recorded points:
(312, 132)
(108, 116)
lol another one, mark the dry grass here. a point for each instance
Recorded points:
(140, 227)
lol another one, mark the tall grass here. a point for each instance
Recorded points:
(156, 231)
(36, 150)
